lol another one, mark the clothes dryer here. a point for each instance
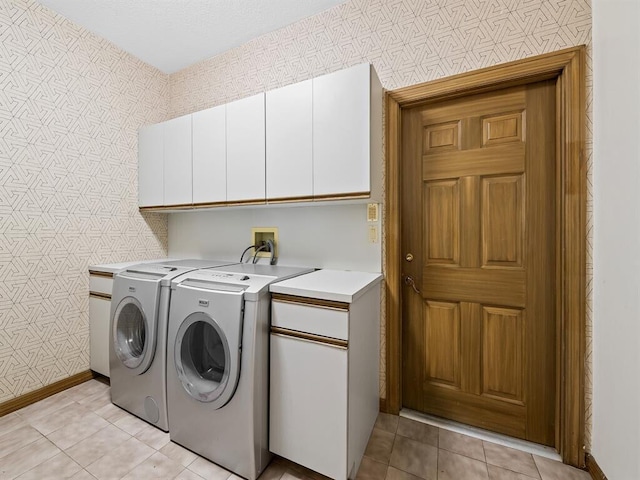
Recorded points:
(138, 340)
(218, 364)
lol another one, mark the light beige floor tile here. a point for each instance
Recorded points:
(462, 444)
(97, 400)
(59, 418)
(293, 475)
(395, 474)
(274, 471)
(77, 430)
(83, 475)
(380, 445)
(18, 438)
(387, 422)
(45, 408)
(179, 454)
(86, 389)
(119, 462)
(553, 470)
(112, 413)
(187, 474)
(26, 458)
(10, 422)
(97, 445)
(371, 470)
(498, 473)
(415, 457)
(511, 459)
(452, 466)
(57, 467)
(152, 436)
(302, 472)
(130, 424)
(418, 431)
(209, 470)
(157, 466)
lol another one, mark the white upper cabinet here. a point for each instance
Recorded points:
(151, 165)
(289, 112)
(210, 155)
(320, 139)
(177, 161)
(246, 149)
(345, 105)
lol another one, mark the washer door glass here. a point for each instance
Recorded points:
(130, 332)
(202, 358)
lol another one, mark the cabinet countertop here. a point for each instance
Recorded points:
(333, 285)
(116, 267)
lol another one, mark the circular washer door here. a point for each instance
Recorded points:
(132, 338)
(206, 367)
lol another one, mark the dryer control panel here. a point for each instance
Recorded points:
(207, 279)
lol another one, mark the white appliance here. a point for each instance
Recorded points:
(138, 339)
(218, 364)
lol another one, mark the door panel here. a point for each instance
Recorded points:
(442, 322)
(502, 221)
(502, 350)
(479, 328)
(442, 222)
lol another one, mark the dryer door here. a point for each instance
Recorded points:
(133, 336)
(207, 349)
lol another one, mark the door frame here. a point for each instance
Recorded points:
(568, 67)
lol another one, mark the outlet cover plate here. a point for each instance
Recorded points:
(259, 234)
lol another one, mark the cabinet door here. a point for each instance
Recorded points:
(289, 141)
(151, 165)
(210, 155)
(341, 132)
(308, 404)
(177, 161)
(246, 149)
(99, 311)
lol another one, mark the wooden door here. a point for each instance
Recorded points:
(479, 219)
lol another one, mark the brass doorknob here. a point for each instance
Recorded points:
(409, 257)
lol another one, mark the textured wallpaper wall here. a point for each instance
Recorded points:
(408, 42)
(70, 107)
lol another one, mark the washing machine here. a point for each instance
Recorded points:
(138, 339)
(218, 364)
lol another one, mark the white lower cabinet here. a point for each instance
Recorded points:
(324, 384)
(100, 286)
(99, 308)
(309, 404)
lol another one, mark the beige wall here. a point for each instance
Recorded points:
(408, 42)
(70, 107)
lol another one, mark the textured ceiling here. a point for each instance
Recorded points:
(173, 34)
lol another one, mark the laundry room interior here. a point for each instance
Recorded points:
(451, 289)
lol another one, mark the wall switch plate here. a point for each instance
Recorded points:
(262, 234)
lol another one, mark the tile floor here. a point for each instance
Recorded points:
(79, 434)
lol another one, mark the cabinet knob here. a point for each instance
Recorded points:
(409, 257)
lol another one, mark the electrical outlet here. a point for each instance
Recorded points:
(373, 234)
(262, 234)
